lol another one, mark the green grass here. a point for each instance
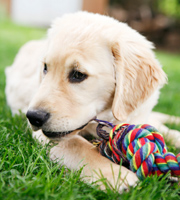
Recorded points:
(170, 93)
(25, 169)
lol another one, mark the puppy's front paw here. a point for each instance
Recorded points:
(128, 178)
(176, 138)
(118, 178)
(173, 136)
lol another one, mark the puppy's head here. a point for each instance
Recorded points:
(92, 63)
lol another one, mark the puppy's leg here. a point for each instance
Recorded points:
(75, 152)
(164, 118)
(158, 119)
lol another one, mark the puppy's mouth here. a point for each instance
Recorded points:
(50, 134)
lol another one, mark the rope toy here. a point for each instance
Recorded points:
(141, 148)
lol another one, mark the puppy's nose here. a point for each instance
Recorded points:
(37, 117)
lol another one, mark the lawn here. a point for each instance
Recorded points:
(25, 170)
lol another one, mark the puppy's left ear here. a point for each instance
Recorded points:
(138, 74)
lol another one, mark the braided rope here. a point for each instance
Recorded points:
(139, 147)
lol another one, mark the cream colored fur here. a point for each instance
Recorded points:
(123, 85)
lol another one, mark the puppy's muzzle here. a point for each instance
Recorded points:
(37, 117)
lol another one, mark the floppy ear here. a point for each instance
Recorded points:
(138, 75)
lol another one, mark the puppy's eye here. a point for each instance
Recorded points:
(76, 76)
(45, 70)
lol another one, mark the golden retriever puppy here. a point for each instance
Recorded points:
(90, 66)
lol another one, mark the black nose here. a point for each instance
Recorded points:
(37, 117)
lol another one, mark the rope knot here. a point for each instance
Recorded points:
(139, 147)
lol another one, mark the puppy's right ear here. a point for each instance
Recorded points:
(138, 74)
